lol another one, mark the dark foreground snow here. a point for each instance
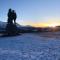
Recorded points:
(29, 47)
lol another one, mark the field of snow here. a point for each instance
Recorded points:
(29, 46)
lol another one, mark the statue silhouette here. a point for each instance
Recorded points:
(11, 27)
(10, 16)
(14, 16)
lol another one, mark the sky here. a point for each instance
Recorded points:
(38, 13)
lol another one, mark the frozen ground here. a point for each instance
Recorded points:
(44, 46)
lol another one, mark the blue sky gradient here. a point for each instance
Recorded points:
(32, 12)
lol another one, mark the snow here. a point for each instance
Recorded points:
(30, 46)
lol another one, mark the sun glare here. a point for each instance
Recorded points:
(53, 25)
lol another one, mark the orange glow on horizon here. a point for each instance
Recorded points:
(44, 24)
(47, 24)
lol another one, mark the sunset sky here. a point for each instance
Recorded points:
(39, 13)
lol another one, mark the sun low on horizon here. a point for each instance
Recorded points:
(45, 25)
(41, 24)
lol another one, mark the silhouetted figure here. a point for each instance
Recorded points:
(10, 16)
(14, 16)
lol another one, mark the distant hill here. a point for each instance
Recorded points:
(2, 24)
(20, 27)
(29, 28)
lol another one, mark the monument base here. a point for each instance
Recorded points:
(11, 29)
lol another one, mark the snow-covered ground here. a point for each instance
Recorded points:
(30, 46)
